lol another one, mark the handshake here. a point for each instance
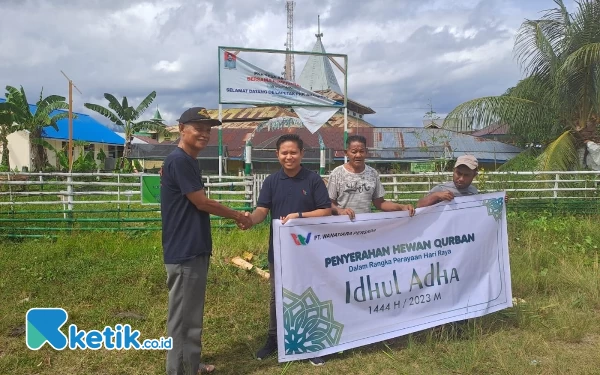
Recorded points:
(244, 221)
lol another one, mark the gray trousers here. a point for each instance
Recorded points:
(187, 288)
(272, 311)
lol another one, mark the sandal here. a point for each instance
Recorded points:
(206, 369)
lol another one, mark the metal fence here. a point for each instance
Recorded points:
(43, 204)
(518, 185)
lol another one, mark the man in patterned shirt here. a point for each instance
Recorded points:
(354, 186)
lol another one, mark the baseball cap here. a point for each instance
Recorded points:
(468, 160)
(199, 115)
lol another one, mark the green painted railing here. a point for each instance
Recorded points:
(35, 205)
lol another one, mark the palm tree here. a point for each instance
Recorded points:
(124, 115)
(557, 104)
(46, 114)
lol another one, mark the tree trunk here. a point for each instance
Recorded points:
(127, 149)
(590, 131)
(38, 152)
(5, 155)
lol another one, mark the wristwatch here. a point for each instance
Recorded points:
(299, 214)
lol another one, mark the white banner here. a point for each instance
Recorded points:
(314, 117)
(243, 83)
(341, 284)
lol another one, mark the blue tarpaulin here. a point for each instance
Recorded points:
(85, 128)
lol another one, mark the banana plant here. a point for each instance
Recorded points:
(127, 116)
(47, 112)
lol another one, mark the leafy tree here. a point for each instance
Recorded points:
(557, 104)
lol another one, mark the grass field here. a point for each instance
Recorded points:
(108, 278)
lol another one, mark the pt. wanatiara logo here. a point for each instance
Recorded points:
(300, 240)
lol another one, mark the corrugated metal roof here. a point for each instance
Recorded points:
(147, 140)
(256, 115)
(383, 143)
(235, 114)
(251, 117)
(452, 124)
(85, 128)
(456, 143)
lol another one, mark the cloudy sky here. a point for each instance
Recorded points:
(402, 53)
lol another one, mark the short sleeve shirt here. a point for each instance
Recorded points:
(185, 229)
(355, 190)
(284, 195)
(449, 186)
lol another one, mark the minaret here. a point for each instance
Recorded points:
(317, 74)
(157, 117)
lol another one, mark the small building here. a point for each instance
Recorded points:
(86, 129)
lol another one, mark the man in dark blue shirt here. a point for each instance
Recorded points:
(292, 192)
(187, 242)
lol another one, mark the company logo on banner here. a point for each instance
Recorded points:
(300, 239)
(241, 82)
(43, 325)
(386, 275)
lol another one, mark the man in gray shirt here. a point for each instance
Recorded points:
(354, 186)
(465, 169)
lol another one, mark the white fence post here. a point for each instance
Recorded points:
(248, 191)
(208, 188)
(556, 185)
(395, 188)
(119, 191)
(70, 194)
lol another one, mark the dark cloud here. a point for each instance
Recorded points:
(401, 53)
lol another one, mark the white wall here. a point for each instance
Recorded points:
(19, 150)
(57, 144)
(98, 147)
(77, 150)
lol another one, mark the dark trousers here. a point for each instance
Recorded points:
(272, 313)
(187, 288)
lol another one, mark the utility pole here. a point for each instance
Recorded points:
(70, 153)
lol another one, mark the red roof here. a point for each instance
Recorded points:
(494, 129)
(235, 138)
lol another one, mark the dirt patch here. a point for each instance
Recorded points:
(17, 331)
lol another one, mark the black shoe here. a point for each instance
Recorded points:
(317, 361)
(269, 348)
